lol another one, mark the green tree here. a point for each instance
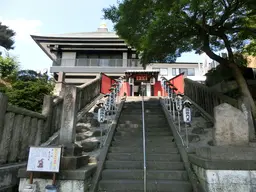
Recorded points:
(25, 88)
(29, 89)
(250, 49)
(8, 72)
(170, 27)
(6, 37)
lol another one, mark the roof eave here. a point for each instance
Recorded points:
(39, 44)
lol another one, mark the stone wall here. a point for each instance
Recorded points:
(226, 180)
(205, 97)
(22, 128)
(228, 164)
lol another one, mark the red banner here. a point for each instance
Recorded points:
(106, 83)
(178, 82)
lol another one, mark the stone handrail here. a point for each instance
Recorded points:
(76, 98)
(87, 92)
(21, 128)
(206, 98)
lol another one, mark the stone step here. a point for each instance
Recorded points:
(148, 123)
(133, 124)
(139, 129)
(134, 112)
(115, 156)
(158, 126)
(151, 165)
(148, 138)
(154, 111)
(139, 144)
(135, 116)
(152, 185)
(149, 150)
(139, 126)
(155, 133)
(138, 174)
(147, 118)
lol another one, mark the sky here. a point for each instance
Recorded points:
(27, 17)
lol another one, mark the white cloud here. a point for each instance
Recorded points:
(23, 27)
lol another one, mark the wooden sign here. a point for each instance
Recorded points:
(44, 159)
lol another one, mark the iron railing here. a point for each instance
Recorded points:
(97, 62)
(144, 138)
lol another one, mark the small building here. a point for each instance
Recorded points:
(82, 56)
(191, 70)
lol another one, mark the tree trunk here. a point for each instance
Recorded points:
(243, 86)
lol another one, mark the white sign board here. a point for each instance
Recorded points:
(44, 159)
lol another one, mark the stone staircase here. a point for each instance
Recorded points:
(123, 169)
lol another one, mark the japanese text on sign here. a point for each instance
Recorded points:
(44, 159)
(141, 78)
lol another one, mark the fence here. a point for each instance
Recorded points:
(87, 92)
(21, 128)
(205, 97)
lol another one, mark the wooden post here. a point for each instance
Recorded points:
(31, 175)
(3, 108)
(68, 120)
(47, 111)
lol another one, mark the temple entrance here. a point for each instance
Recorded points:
(138, 77)
(137, 89)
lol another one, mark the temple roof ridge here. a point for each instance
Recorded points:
(96, 34)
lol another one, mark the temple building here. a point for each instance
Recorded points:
(82, 56)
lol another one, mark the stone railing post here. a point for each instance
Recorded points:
(72, 154)
(244, 106)
(48, 112)
(60, 84)
(3, 108)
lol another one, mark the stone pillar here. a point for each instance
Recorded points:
(244, 105)
(3, 108)
(60, 84)
(68, 121)
(72, 154)
(47, 111)
(148, 89)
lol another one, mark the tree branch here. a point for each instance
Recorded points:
(223, 2)
(206, 48)
(228, 47)
(227, 12)
(239, 29)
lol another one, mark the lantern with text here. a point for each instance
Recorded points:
(101, 115)
(152, 81)
(187, 111)
(131, 81)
